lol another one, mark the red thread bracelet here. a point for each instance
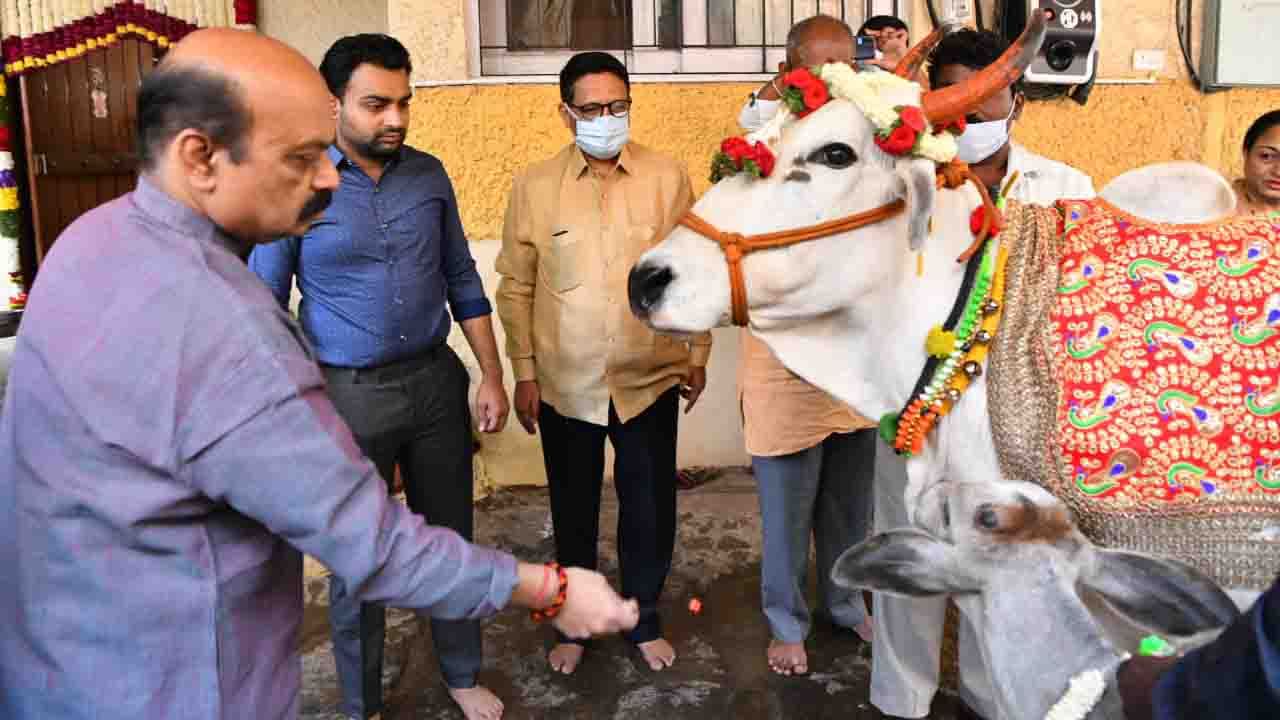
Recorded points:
(557, 604)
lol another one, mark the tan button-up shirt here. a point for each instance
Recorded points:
(569, 242)
(781, 413)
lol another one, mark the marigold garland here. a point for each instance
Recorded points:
(34, 38)
(13, 295)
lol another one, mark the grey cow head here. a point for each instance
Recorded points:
(1014, 559)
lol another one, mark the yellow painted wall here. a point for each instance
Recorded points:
(311, 26)
(484, 134)
(435, 33)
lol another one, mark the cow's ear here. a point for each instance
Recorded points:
(907, 563)
(1164, 595)
(919, 189)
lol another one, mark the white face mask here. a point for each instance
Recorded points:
(757, 113)
(980, 141)
(602, 138)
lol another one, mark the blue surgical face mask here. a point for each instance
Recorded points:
(602, 138)
(981, 140)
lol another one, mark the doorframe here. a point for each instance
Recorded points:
(33, 202)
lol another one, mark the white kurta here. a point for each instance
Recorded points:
(908, 632)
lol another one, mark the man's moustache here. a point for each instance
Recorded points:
(316, 205)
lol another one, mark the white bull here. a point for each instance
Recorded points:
(849, 312)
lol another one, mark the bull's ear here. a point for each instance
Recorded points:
(918, 178)
(1164, 595)
(904, 562)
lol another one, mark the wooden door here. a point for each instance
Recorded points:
(80, 118)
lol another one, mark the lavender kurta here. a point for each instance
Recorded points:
(166, 450)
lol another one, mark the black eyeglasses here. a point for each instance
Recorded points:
(592, 111)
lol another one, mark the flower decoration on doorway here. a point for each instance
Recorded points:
(39, 33)
(13, 294)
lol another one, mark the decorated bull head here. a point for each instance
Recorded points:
(1014, 560)
(862, 148)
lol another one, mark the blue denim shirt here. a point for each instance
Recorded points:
(376, 271)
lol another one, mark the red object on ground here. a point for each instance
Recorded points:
(695, 606)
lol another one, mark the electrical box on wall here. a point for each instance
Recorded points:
(956, 12)
(1236, 49)
(1069, 52)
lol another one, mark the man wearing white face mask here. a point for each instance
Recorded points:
(585, 367)
(908, 632)
(986, 144)
(812, 41)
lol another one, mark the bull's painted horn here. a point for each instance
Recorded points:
(909, 66)
(945, 105)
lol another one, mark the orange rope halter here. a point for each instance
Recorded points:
(736, 246)
(953, 175)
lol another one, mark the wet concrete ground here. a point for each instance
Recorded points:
(720, 671)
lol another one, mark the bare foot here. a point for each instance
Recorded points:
(658, 653)
(788, 658)
(564, 658)
(477, 703)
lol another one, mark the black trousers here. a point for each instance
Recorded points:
(415, 414)
(644, 473)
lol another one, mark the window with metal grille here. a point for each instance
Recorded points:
(652, 37)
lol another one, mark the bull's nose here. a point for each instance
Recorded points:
(645, 286)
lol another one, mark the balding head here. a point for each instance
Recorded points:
(235, 125)
(819, 39)
(238, 52)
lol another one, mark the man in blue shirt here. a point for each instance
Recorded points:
(379, 275)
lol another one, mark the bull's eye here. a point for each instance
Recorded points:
(987, 518)
(834, 155)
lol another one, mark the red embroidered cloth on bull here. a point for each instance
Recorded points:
(1164, 341)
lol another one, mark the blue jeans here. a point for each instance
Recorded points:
(824, 490)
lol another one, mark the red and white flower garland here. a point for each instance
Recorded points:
(901, 129)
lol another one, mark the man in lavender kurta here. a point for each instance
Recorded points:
(167, 447)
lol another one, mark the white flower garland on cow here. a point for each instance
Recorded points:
(900, 129)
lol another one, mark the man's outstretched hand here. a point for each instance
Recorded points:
(592, 607)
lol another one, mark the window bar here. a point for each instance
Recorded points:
(506, 20)
(733, 22)
(791, 17)
(764, 41)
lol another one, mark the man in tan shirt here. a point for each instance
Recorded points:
(812, 455)
(585, 367)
